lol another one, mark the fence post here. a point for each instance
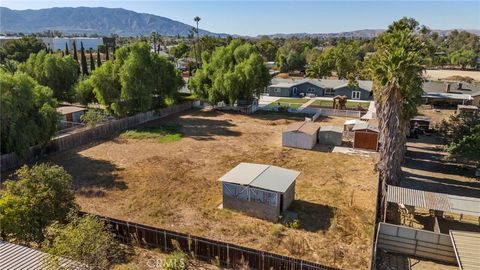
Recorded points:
(165, 240)
(228, 256)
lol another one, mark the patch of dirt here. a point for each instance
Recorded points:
(175, 186)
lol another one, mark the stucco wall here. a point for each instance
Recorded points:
(254, 209)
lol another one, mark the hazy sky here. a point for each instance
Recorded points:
(268, 17)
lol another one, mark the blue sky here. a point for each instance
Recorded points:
(268, 17)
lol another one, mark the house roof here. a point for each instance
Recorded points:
(324, 83)
(338, 129)
(432, 87)
(14, 256)
(304, 127)
(262, 176)
(447, 96)
(70, 109)
(466, 246)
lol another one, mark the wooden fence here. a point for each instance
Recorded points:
(226, 254)
(103, 131)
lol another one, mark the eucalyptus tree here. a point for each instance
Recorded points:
(231, 73)
(396, 69)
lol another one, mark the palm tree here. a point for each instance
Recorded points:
(191, 34)
(397, 71)
(197, 19)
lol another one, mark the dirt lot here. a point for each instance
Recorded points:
(175, 185)
(442, 74)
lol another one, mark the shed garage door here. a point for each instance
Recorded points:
(366, 140)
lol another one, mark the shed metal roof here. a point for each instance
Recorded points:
(244, 173)
(304, 127)
(70, 109)
(16, 257)
(338, 129)
(276, 179)
(434, 201)
(467, 249)
(361, 125)
(267, 177)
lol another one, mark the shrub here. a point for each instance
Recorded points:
(86, 239)
(276, 230)
(40, 196)
(176, 260)
(93, 117)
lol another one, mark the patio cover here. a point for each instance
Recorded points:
(467, 249)
(434, 201)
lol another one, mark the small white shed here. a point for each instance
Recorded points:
(330, 135)
(300, 135)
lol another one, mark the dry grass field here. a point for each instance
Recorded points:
(444, 74)
(175, 185)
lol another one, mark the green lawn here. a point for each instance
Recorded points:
(329, 104)
(289, 102)
(162, 134)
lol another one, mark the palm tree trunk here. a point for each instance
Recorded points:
(392, 137)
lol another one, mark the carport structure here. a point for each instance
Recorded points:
(434, 201)
(467, 249)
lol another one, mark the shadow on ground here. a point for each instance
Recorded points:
(425, 168)
(313, 217)
(198, 127)
(90, 177)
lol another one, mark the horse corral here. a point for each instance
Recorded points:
(175, 186)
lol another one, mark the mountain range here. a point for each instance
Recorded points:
(91, 20)
(107, 21)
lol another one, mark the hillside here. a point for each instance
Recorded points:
(87, 20)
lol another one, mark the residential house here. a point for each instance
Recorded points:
(320, 88)
(451, 93)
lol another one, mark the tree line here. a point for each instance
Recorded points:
(34, 80)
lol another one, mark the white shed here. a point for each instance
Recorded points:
(300, 135)
(260, 190)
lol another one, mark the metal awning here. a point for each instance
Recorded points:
(467, 249)
(13, 256)
(434, 201)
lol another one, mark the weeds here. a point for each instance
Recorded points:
(162, 134)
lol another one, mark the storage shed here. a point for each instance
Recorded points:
(421, 122)
(262, 191)
(70, 115)
(349, 124)
(300, 135)
(330, 135)
(366, 136)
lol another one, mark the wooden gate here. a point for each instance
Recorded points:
(365, 140)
